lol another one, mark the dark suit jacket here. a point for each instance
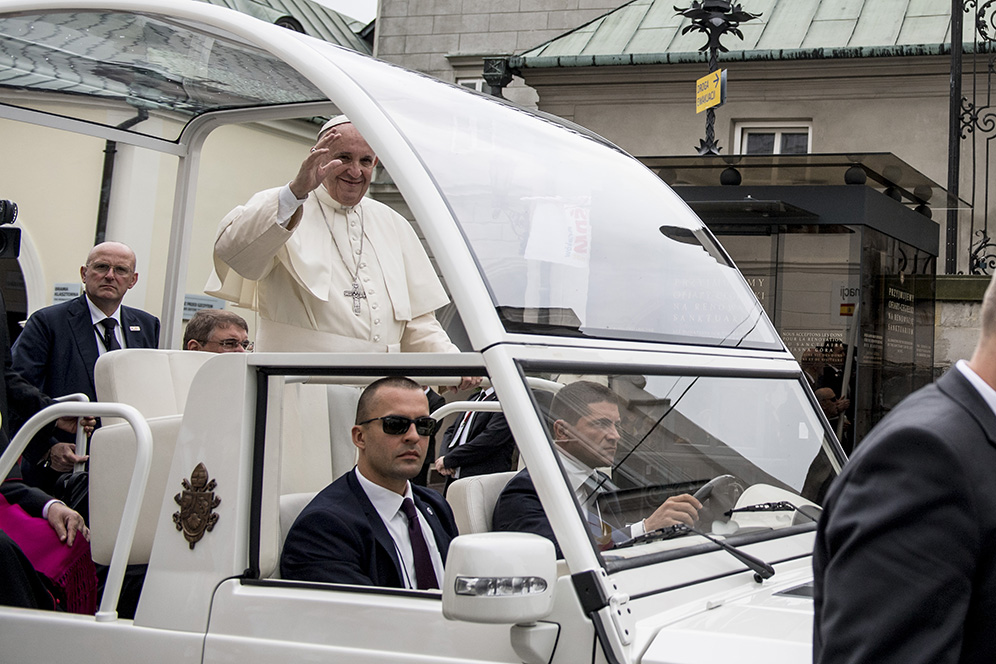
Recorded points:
(57, 350)
(489, 447)
(905, 558)
(519, 510)
(19, 399)
(30, 499)
(340, 538)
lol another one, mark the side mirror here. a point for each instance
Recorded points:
(499, 578)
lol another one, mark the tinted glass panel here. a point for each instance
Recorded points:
(758, 143)
(794, 143)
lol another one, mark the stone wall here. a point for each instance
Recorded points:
(448, 39)
(959, 301)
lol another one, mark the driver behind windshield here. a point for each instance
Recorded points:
(585, 427)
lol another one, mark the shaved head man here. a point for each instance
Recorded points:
(60, 344)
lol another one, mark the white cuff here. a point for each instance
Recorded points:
(49, 504)
(637, 529)
(287, 205)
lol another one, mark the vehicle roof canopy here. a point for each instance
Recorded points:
(538, 227)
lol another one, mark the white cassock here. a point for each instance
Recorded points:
(297, 279)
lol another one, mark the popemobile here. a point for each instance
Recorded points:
(565, 259)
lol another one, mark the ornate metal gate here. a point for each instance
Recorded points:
(973, 125)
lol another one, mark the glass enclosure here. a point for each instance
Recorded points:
(831, 288)
(572, 236)
(653, 436)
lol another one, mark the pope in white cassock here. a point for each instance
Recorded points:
(326, 268)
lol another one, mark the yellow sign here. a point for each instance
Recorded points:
(710, 90)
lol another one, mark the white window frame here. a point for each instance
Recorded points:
(473, 82)
(742, 129)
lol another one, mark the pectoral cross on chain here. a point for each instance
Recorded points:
(357, 294)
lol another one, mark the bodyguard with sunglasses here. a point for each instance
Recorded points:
(372, 526)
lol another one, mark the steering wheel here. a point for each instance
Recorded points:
(718, 495)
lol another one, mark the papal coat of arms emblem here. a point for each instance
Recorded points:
(197, 502)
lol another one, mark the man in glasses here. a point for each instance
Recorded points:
(585, 426)
(217, 331)
(372, 526)
(60, 344)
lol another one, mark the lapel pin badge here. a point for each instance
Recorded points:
(135, 328)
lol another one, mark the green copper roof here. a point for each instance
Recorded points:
(309, 17)
(649, 32)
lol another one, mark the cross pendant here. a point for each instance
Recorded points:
(357, 294)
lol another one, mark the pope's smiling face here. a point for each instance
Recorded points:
(349, 182)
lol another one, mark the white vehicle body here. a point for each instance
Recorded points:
(564, 258)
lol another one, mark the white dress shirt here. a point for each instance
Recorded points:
(983, 388)
(96, 315)
(577, 475)
(388, 506)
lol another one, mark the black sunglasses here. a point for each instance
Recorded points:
(395, 425)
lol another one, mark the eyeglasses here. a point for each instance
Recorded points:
(395, 425)
(104, 268)
(232, 344)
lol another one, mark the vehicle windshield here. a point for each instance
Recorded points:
(654, 436)
(572, 236)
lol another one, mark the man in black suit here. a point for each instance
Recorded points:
(477, 443)
(904, 563)
(372, 526)
(60, 344)
(585, 420)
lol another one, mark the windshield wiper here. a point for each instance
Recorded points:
(809, 511)
(761, 569)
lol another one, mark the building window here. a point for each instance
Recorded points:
(773, 138)
(476, 84)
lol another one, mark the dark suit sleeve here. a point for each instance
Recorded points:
(322, 546)
(896, 554)
(518, 509)
(32, 350)
(486, 443)
(30, 499)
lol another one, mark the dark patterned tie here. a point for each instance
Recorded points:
(110, 341)
(588, 493)
(425, 574)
